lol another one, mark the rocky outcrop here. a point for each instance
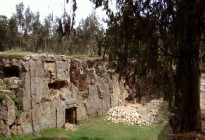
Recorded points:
(48, 88)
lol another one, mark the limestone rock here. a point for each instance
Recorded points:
(24, 123)
(27, 57)
(11, 110)
(93, 103)
(5, 130)
(50, 85)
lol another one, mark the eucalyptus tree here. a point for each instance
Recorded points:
(89, 32)
(3, 29)
(157, 35)
(12, 33)
(37, 35)
(28, 21)
(20, 21)
(47, 31)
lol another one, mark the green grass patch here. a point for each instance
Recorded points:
(85, 57)
(98, 129)
(15, 52)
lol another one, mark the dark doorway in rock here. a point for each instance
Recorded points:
(57, 84)
(11, 71)
(71, 115)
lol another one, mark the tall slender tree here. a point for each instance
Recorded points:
(161, 29)
(20, 20)
(12, 32)
(3, 29)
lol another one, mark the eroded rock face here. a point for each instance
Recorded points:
(49, 87)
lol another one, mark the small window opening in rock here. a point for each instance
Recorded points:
(57, 85)
(11, 71)
(71, 115)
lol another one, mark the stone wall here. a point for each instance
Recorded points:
(48, 85)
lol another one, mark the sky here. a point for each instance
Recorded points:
(85, 7)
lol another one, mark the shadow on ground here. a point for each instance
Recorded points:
(165, 133)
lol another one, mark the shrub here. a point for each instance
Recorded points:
(6, 80)
(16, 100)
(7, 87)
(1, 97)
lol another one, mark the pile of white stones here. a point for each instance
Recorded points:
(136, 113)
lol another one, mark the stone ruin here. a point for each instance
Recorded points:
(54, 90)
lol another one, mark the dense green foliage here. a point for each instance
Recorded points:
(24, 31)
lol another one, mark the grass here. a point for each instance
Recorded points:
(15, 53)
(98, 129)
(85, 57)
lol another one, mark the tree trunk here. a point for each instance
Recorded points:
(190, 117)
(189, 41)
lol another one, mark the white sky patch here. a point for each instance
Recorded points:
(85, 7)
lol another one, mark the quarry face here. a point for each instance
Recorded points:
(46, 91)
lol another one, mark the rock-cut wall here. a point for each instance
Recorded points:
(48, 91)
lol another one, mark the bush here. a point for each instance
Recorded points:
(6, 80)
(16, 100)
(7, 87)
(1, 97)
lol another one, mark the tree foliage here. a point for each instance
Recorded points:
(162, 39)
(25, 31)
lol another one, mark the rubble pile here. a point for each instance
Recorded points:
(136, 113)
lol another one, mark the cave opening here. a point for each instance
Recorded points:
(71, 115)
(12, 71)
(57, 85)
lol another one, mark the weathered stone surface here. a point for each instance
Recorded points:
(3, 111)
(115, 98)
(2, 126)
(27, 57)
(81, 112)
(6, 131)
(48, 85)
(26, 92)
(103, 94)
(14, 130)
(24, 123)
(15, 62)
(50, 71)
(36, 117)
(60, 113)
(35, 57)
(11, 110)
(25, 128)
(93, 103)
(48, 117)
(6, 62)
(62, 71)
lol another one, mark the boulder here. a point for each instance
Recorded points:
(93, 103)
(11, 116)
